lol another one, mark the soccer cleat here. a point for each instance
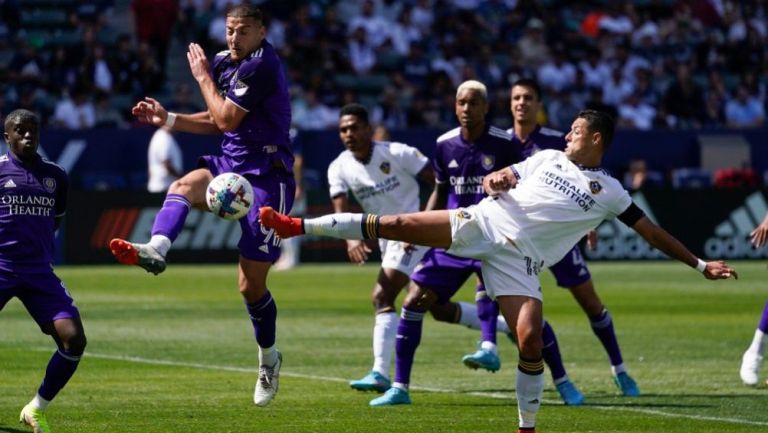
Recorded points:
(285, 226)
(750, 368)
(141, 255)
(482, 359)
(266, 385)
(392, 397)
(570, 394)
(373, 381)
(626, 384)
(34, 418)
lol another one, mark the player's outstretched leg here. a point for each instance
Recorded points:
(142, 255)
(754, 355)
(267, 383)
(34, 418)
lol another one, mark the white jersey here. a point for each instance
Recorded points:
(162, 147)
(554, 205)
(387, 184)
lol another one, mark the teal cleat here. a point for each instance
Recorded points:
(482, 359)
(373, 381)
(392, 397)
(626, 384)
(570, 394)
(34, 418)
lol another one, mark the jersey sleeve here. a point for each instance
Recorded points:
(255, 81)
(336, 183)
(524, 168)
(408, 157)
(62, 193)
(621, 203)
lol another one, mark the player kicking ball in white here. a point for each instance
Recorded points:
(538, 210)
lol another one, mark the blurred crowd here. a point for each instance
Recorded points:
(655, 64)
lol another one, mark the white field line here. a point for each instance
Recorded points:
(496, 395)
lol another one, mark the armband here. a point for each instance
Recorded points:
(701, 265)
(170, 120)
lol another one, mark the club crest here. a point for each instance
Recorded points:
(49, 184)
(487, 161)
(463, 215)
(595, 187)
(385, 167)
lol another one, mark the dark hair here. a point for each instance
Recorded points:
(245, 11)
(599, 121)
(19, 116)
(355, 110)
(530, 82)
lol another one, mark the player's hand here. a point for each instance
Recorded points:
(499, 181)
(198, 63)
(718, 270)
(150, 111)
(358, 251)
(409, 248)
(592, 240)
(760, 234)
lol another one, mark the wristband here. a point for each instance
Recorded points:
(170, 120)
(701, 265)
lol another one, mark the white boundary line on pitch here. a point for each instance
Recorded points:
(496, 395)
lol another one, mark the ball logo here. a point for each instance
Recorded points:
(49, 184)
(385, 167)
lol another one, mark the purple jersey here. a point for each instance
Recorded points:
(32, 196)
(257, 84)
(463, 165)
(540, 139)
(572, 269)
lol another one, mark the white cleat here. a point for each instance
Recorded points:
(267, 383)
(750, 368)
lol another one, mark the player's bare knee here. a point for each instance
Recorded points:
(529, 343)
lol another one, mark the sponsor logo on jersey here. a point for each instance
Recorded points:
(10, 184)
(240, 88)
(488, 161)
(49, 184)
(385, 167)
(731, 239)
(595, 187)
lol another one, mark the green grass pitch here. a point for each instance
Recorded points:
(175, 353)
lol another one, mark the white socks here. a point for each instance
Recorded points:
(468, 318)
(160, 243)
(337, 225)
(39, 402)
(268, 356)
(530, 389)
(758, 343)
(384, 335)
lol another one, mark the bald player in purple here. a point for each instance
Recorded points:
(463, 156)
(33, 200)
(246, 94)
(571, 272)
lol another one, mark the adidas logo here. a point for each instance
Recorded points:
(731, 237)
(264, 248)
(453, 164)
(10, 184)
(617, 241)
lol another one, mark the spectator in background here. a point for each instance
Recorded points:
(684, 99)
(636, 176)
(388, 111)
(183, 100)
(153, 21)
(164, 160)
(557, 74)
(125, 64)
(636, 114)
(310, 113)
(744, 110)
(75, 111)
(362, 54)
(533, 48)
(107, 116)
(596, 71)
(376, 28)
(95, 70)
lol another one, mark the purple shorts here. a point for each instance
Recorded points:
(43, 294)
(444, 273)
(571, 270)
(275, 189)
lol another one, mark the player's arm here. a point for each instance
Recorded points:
(668, 244)
(439, 197)
(226, 116)
(499, 181)
(760, 234)
(152, 112)
(357, 250)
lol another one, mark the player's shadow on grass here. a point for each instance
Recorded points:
(12, 430)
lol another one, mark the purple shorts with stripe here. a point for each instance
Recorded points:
(571, 270)
(444, 273)
(275, 189)
(43, 294)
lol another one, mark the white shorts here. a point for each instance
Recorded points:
(506, 271)
(394, 256)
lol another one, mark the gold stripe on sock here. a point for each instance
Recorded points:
(531, 367)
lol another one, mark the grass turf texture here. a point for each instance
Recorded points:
(175, 353)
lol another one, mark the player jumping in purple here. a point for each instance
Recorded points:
(33, 201)
(754, 355)
(246, 93)
(571, 272)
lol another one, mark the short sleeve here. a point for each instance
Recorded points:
(255, 81)
(524, 168)
(410, 158)
(336, 184)
(62, 193)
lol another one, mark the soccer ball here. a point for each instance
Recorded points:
(229, 196)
